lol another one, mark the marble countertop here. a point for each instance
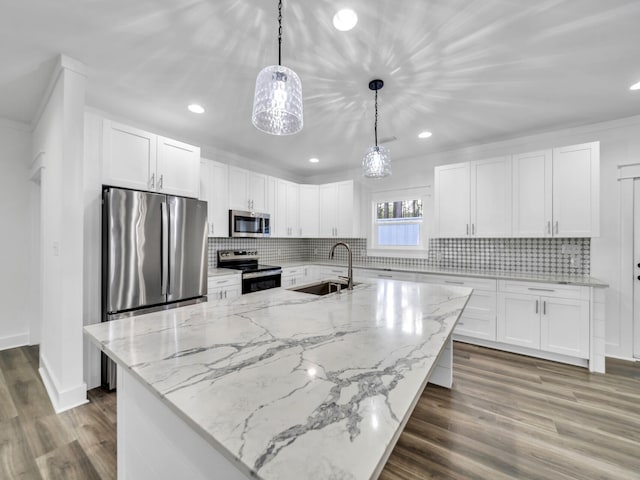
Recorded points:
(222, 272)
(290, 385)
(580, 280)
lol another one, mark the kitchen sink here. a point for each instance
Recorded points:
(322, 288)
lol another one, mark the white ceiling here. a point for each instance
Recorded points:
(471, 71)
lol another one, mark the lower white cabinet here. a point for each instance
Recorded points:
(564, 327)
(519, 320)
(479, 317)
(292, 276)
(224, 287)
(547, 317)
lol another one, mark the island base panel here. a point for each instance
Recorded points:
(442, 374)
(155, 444)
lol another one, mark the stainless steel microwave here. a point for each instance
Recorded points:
(249, 224)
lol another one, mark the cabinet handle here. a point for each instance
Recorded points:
(152, 182)
(557, 229)
(455, 283)
(161, 181)
(548, 227)
(541, 289)
(467, 229)
(225, 294)
(544, 307)
(537, 306)
(473, 229)
(381, 275)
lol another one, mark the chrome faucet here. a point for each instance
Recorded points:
(349, 276)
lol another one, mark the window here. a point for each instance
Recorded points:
(398, 224)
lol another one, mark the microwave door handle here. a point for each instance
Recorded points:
(165, 247)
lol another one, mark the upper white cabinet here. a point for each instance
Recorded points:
(141, 160)
(452, 200)
(491, 198)
(576, 190)
(473, 199)
(213, 189)
(309, 210)
(247, 190)
(286, 217)
(556, 192)
(337, 210)
(532, 194)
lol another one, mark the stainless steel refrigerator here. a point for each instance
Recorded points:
(154, 255)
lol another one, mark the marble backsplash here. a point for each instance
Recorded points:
(564, 256)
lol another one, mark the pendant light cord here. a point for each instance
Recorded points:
(375, 125)
(280, 32)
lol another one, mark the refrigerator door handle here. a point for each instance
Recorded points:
(165, 248)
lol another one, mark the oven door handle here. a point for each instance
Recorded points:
(266, 273)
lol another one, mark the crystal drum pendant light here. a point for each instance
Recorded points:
(376, 163)
(277, 104)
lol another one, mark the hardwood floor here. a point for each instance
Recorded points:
(35, 443)
(507, 416)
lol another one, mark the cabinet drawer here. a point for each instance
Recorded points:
(488, 284)
(545, 289)
(481, 305)
(291, 271)
(215, 282)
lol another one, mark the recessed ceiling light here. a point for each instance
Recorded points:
(635, 86)
(314, 160)
(195, 108)
(345, 20)
(424, 134)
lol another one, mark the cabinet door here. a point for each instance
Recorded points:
(451, 205)
(564, 326)
(213, 189)
(293, 209)
(309, 213)
(518, 321)
(238, 196)
(328, 194)
(178, 168)
(478, 319)
(279, 225)
(344, 210)
(576, 190)
(234, 291)
(532, 194)
(491, 198)
(206, 191)
(128, 156)
(257, 191)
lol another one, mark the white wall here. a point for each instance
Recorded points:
(58, 139)
(619, 144)
(16, 230)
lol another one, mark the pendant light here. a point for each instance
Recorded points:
(277, 103)
(376, 163)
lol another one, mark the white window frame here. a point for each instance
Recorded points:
(418, 251)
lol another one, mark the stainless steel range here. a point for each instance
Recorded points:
(255, 277)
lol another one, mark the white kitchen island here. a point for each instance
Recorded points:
(277, 384)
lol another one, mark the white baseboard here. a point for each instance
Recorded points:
(61, 400)
(13, 341)
(628, 359)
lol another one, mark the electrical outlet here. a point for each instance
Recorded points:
(315, 251)
(570, 249)
(438, 256)
(363, 252)
(279, 252)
